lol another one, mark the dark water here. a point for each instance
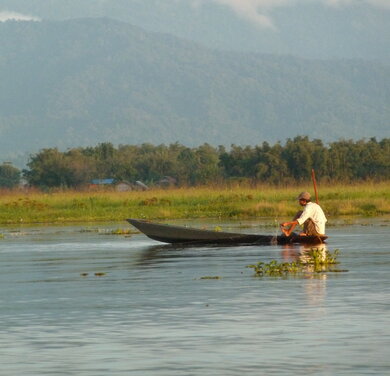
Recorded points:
(151, 314)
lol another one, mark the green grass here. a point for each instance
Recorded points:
(203, 202)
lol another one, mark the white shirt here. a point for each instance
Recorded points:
(316, 214)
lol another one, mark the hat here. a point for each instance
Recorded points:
(304, 196)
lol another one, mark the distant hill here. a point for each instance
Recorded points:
(84, 81)
(312, 29)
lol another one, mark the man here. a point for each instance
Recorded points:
(312, 218)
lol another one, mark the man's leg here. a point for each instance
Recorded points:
(309, 228)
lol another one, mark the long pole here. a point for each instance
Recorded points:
(313, 178)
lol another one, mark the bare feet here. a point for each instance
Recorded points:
(285, 231)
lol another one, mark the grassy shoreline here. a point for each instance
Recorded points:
(367, 199)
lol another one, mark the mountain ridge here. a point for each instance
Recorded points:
(84, 81)
(312, 29)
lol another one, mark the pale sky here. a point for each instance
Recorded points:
(9, 15)
(258, 11)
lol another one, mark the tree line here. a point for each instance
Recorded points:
(343, 161)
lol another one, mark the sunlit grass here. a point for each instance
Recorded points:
(202, 202)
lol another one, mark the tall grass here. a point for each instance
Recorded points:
(201, 202)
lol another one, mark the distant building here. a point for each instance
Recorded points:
(119, 186)
(141, 185)
(102, 181)
(167, 181)
(124, 186)
(23, 183)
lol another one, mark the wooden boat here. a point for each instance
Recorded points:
(187, 235)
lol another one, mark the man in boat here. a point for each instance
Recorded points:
(312, 218)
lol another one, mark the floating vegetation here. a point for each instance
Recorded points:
(1, 236)
(89, 230)
(211, 277)
(319, 257)
(97, 274)
(118, 231)
(315, 260)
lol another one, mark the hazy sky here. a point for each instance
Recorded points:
(6, 15)
(258, 12)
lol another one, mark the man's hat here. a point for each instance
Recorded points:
(304, 196)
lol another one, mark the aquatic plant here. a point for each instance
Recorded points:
(211, 277)
(97, 274)
(119, 231)
(315, 260)
(320, 257)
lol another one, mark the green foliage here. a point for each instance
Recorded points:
(316, 260)
(211, 277)
(277, 164)
(320, 258)
(9, 176)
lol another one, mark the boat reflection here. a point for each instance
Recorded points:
(315, 281)
(159, 253)
(300, 252)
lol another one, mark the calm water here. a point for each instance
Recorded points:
(151, 314)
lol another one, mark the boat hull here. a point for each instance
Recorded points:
(187, 235)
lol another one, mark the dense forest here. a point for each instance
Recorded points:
(345, 160)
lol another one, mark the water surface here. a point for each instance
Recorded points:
(148, 312)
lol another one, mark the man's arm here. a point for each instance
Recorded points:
(306, 214)
(285, 224)
(286, 229)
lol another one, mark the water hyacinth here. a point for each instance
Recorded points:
(315, 260)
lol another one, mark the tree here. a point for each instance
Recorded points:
(9, 176)
(50, 168)
(208, 169)
(277, 164)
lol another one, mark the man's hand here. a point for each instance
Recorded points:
(288, 227)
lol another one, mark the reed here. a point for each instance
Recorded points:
(200, 202)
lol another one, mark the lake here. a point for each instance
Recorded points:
(76, 300)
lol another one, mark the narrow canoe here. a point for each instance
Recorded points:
(187, 235)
